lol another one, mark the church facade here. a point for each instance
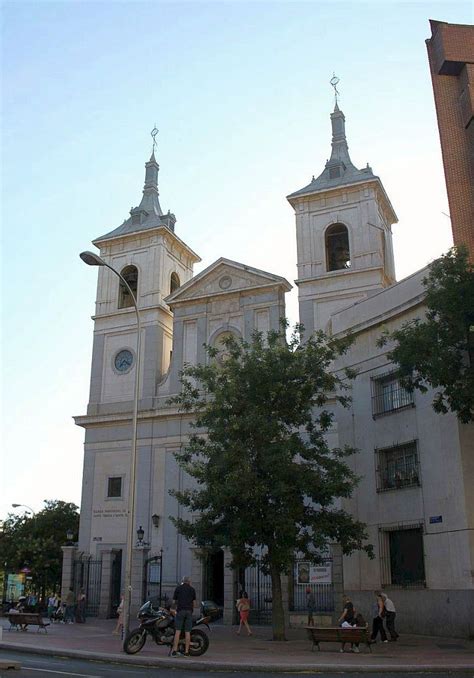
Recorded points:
(416, 492)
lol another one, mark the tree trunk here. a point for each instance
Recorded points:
(278, 614)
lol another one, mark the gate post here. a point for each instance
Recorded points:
(139, 555)
(105, 582)
(230, 577)
(67, 575)
(337, 579)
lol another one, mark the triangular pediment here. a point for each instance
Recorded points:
(225, 277)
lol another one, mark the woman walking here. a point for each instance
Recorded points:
(243, 607)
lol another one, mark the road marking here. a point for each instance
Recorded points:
(63, 673)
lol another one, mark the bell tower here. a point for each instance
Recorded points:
(155, 262)
(343, 231)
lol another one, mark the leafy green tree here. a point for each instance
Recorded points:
(35, 542)
(267, 483)
(438, 351)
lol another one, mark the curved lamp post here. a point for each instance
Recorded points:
(24, 506)
(94, 260)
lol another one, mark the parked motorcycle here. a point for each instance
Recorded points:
(159, 624)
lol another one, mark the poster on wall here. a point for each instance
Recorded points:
(306, 573)
(15, 586)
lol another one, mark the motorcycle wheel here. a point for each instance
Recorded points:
(199, 643)
(134, 642)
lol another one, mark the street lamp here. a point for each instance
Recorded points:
(94, 260)
(24, 506)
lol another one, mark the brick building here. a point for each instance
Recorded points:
(451, 57)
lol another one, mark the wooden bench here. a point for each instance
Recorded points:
(337, 634)
(18, 620)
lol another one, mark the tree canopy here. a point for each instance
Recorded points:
(266, 481)
(438, 351)
(35, 542)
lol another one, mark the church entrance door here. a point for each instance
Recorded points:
(214, 579)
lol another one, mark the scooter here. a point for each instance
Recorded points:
(159, 624)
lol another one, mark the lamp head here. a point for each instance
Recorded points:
(140, 533)
(91, 259)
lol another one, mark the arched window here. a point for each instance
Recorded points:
(130, 274)
(337, 248)
(174, 282)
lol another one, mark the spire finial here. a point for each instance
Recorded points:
(153, 133)
(334, 82)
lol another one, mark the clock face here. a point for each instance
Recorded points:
(123, 360)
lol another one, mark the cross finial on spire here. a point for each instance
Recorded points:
(334, 82)
(153, 133)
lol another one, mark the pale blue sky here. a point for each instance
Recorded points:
(240, 94)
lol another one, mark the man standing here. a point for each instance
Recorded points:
(390, 614)
(69, 612)
(183, 597)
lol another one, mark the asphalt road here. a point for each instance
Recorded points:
(41, 666)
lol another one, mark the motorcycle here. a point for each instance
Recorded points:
(159, 624)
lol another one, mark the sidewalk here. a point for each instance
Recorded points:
(94, 640)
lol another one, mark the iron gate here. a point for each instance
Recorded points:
(153, 578)
(259, 589)
(116, 583)
(87, 574)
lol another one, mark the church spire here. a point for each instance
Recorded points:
(340, 149)
(150, 202)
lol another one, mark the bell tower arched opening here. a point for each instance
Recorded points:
(130, 274)
(338, 254)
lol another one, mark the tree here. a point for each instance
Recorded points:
(266, 480)
(35, 542)
(438, 351)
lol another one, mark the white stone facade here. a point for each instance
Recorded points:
(434, 478)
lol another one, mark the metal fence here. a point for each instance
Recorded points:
(259, 589)
(298, 586)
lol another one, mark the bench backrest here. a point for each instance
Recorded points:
(25, 618)
(335, 633)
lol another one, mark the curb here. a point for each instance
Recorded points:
(186, 664)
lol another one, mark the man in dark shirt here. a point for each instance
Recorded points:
(183, 597)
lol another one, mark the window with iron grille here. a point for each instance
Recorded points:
(114, 487)
(402, 562)
(388, 395)
(397, 467)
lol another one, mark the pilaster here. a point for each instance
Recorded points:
(230, 578)
(67, 578)
(139, 555)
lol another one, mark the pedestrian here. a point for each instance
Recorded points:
(81, 607)
(69, 607)
(52, 606)
(378, 614)
(310, 605)
(243, 608)
(348, 613)
(390, 614)
(184, 598)
(347, 618)
(119, 626)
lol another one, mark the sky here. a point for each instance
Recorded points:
(240, 94)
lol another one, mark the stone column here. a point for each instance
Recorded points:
(105, 581)
(230, 578)
(69, 553)
(337, 580)
(139, 555)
